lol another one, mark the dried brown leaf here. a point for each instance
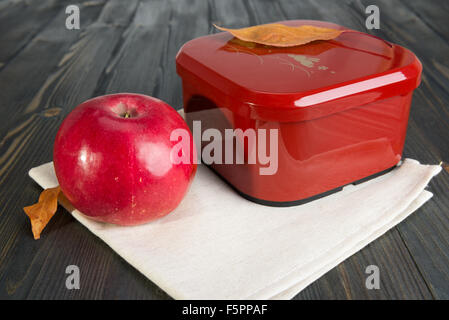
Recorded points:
(41, 212)
(279, 35)
(314, 48)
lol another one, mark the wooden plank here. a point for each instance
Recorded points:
(21, 21)
(331, 11)
(230, 14)
(24, 76)
(264, 11)
(75, 67)
(22, 79)
(434, 13)
(4, 4)
(347, 280)
(188, 20)
(137, 64)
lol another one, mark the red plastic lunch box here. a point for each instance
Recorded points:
(338, 110)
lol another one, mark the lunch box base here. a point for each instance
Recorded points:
(301, 201)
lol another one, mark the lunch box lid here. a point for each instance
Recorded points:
(302, 82)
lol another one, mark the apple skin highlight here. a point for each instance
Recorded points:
(112, 159)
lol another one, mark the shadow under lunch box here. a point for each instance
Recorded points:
(331, 112)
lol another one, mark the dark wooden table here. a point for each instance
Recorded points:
(130, 46)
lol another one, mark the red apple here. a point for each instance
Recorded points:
(112, 159)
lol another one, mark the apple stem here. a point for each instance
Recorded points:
(127, 115)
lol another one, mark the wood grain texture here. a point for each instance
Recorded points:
(435, 19)
(20, 21)
(425, 234)
(137, 66)
(46, 70)
(189, 19)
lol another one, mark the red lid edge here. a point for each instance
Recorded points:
(309, 104)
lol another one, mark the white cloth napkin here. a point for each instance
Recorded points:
(217, 245)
